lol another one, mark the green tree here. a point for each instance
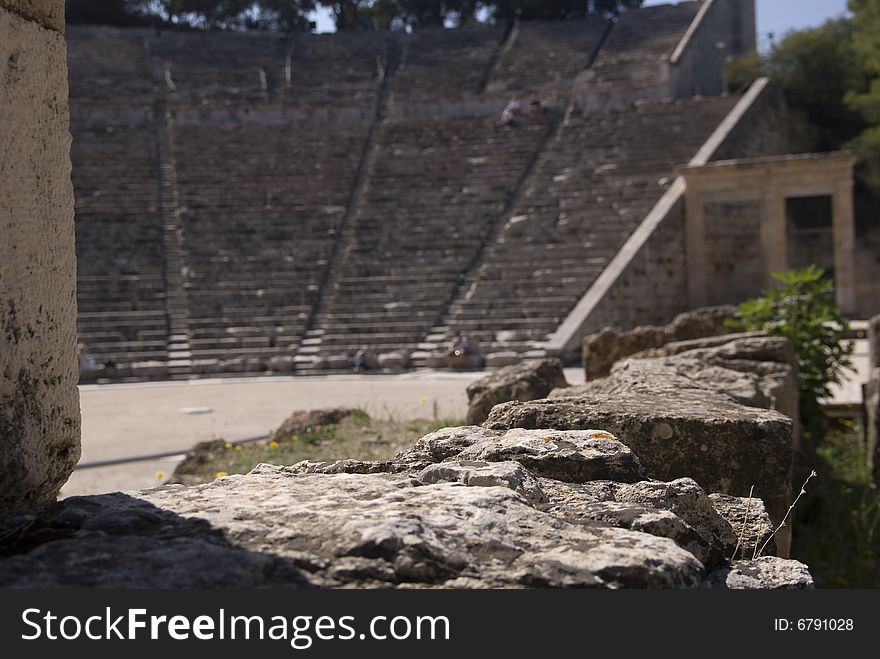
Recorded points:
(865, 99)
(803, 310)
(506, 10)
(816, 69)
(281, 15)
(109, 12)
(404, 14)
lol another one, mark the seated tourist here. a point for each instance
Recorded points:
(363, 360)
(510, 113)
(462, 354)
(84, 359)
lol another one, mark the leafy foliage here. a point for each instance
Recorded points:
(283, 15)
(108, 12)
(832, 74)
(803, 310)
(506, 10)
(348, 14)
(837, 532)
(865, 99)
(816, 69)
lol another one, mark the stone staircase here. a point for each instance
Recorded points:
(177, 306)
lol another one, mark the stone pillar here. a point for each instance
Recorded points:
(695, 249)
(773, 234)
(39, 401)
(844, 231)
(871, 399)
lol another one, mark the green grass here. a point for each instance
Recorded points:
(356, 437)
(837, 529)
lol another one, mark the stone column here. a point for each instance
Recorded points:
(39, 402)
(773, 233)
(844, 231)
(695, 250)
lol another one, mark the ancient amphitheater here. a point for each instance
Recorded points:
(256, 202)
(249, 203)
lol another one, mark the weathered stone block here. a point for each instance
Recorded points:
(874, 341)
(600, 351)
(525, 381)
(570, 457)
(282, 364)
(501, 359)
(678, 429)
(39, 401)
(47, 13)
(394, 361)
(871, 397)
(765, 573)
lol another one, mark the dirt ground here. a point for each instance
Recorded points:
(127, 420)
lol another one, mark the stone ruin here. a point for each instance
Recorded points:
(465, 507)
(634, 480)
(271, 203)
(535, 497)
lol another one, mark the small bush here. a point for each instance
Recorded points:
(803, 310)
(837, 532)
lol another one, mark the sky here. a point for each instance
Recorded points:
(776, 16)
(780, 16)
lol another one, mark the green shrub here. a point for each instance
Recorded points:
(803, 310)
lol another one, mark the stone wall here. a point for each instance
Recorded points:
(722, 415)
(767, 128)
(649, 290)
(734, 257)
(723, 29)
(698, 64)
(600, 351)
(39, 402)
(867, 253)
(464, 507)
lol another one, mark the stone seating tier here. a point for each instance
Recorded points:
(589, 193)
(545, 56)
(433, 195)
(641, 41)
(457, 222)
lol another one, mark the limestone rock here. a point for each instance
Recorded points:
(444, 443)
(766, 573)
(599, 352)
(464, 507)
(282, 364)
(525, 381)
(373, 530)
(189, 470)
(304, 420)
(871, 398)
(476, 473)
(678, 428)
(395, 361)
(750, 523)
(571, 457)
(502, 358)
(344, 467)
(39, 400)
(874, 341)
(688, 516)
